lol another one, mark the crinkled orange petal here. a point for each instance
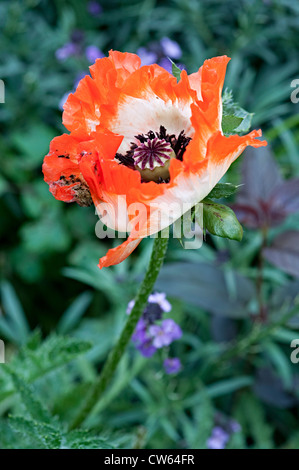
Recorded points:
(61, 167)
(223, 151)
(120, 253)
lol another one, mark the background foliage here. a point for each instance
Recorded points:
(60, 314)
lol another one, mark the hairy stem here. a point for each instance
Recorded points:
(156, 261)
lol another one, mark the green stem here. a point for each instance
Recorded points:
(156, 261)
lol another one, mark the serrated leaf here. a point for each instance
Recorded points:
(222, 190)
(235, 120)
(85, 440)
(230, 123)
(220, 220)
(33, 407)
(44, 435)
(35, 361)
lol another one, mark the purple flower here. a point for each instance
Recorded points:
(140, 335)
(93, 53)
(147, 57)
(234, 426)
(172, 329)
(160, 299)
(167, 65)
(171, 48)
(66, 51)
(142, 340)
(94, 8)
(165, 334)
(148, 335)
(147, 349)
(172, 365)
(218, 438)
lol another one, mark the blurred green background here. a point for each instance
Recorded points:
(235, 364)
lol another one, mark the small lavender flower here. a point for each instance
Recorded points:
(165, 334)
(150, 336)
(171, 48)
(172, 365)
(94, 8)
(147, 57)
(147, 349)
(234, 426)
(93, 53)
(160, 299)
(167, 65)
(140, 335)
(218, 438)
(66, 51)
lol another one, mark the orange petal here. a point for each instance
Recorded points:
(223, 151)
(120, 253)
(61, 168)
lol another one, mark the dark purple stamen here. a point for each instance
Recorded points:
(151, 153)
(177, 143)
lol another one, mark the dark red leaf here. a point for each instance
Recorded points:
(284, 252)
(286, 196)
(260, 175)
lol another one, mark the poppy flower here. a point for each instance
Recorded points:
(137, 133)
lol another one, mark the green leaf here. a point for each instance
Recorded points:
(254, 413)
(33, 406)
(85, 440)
(73, 314)
(235, 120)
(14, 318)
(44, 435)
(36, 360)
(230, 123)
(220, 220)
(197, 431)
(176, 71)
(222, 190)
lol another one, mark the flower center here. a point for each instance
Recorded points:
(152, 159)
(152, 153)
